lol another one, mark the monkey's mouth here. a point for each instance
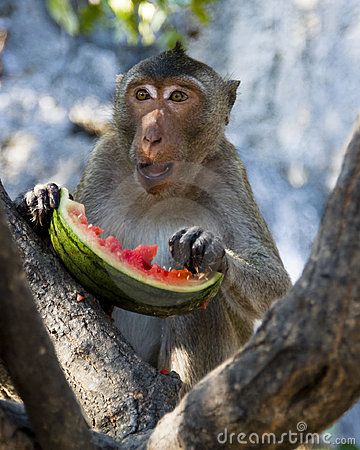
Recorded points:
(154, 172)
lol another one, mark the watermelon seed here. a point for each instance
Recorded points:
(201, 276)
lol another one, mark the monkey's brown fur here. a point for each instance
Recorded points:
(210, 189)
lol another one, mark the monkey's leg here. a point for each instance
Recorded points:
(196, 343)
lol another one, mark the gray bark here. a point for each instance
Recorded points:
(119, 394)
(29, 355)
(16, 432)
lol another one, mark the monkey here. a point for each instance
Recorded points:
(165, 173)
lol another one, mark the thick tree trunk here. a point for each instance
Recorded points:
(7, 388)
(16, 432)
(28, 353)
(119, 394)
(298, 374)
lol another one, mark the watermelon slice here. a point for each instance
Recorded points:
(126, 278)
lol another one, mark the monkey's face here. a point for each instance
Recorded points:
(167, 118)
(171, 111)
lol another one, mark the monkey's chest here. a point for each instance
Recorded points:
(157, 228)
(152, 233)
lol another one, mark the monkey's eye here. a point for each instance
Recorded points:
(178, 96)
(142, 94)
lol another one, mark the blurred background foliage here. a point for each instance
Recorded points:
(136, 20)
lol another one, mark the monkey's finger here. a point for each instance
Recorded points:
(53, 191)
(174, 242)
(198, 250)
(213, 255)
(41, 195)
(42, 203)
(31, 199)
(185, 246)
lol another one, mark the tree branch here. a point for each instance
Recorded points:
(118, 392)
(15, 431)
(17, 434)
(303, 364)
(30, 357)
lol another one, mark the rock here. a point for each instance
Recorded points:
(46, 75)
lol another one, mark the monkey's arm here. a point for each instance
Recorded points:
(254, 281)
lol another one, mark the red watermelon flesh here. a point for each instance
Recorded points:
(139, 258)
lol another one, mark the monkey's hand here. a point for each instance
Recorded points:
(38, 205)
(198, 250)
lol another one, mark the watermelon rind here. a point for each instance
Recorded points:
(115, 281)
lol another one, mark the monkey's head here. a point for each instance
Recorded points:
(171, 112)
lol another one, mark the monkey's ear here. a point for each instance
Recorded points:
(119, 77)
(231, 86)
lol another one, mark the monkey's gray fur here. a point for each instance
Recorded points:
(211, 192)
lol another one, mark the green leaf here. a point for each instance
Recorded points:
(62, 12)
(162, 4)
(123, 9)
(149, 20)
(198, 9)
(88, 16)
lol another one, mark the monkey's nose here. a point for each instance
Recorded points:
(152, 135)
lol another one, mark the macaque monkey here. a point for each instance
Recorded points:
(165, 173)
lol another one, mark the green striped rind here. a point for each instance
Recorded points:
(127, 290)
